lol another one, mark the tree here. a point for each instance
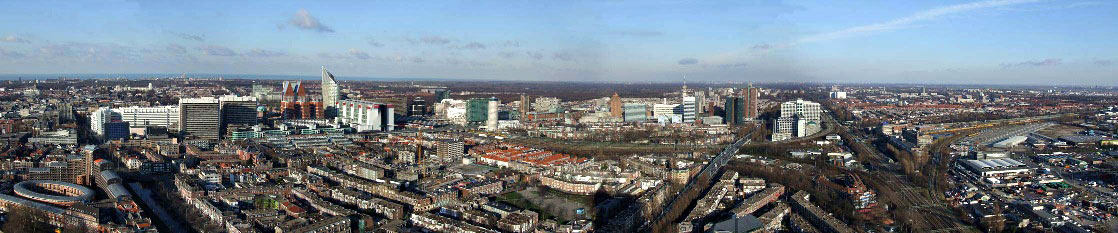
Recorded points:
(26, 219)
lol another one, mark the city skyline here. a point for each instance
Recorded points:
(978, 42)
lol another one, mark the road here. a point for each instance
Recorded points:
(145, 195)
(716, 163)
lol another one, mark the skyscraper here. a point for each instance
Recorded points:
(330, 95)
(752, 99)
(491, 120)
(735, 111)
(689, 109)
(525, 103)
(615, 108)
(477, 110)
(200, 117)
(99, 118)
(417, 107)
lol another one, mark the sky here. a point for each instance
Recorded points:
(944, 41)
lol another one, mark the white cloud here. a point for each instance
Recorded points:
(303, 19)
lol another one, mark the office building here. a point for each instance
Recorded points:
(238, 111)
(116, 130)
(417, 107)
(615, 106)
(752, 98)
(441, 95)
(525, 104)
(477, 110)
(296, 104)
(491, 110)
(635, 112)
(797, 119)
(330, 93)
(689, 109)
(546, 105)
(838, 95)
(666, 109)
(200, 118)
(734, 111)
(98, 118)
(366, 115)
(140, 117)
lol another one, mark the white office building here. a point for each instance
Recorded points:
(797, 119)
(689, 109)
(366, 115)
(139, 117)
(98, 119)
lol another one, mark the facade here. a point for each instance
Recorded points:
(450, 149)
(525, 104)
(752, 99)
(98, 118)
(296, 104)
(735, 110)
(116, 130)
(417, 107)
(797, 119)
(162, 116)
(366, 115)
(200, 117)
(330, 93)
(666, 109)
(491, 111)
(615, 106)
(546, 105)
(238, 111)
(689, 109)
(635, 112)
(477, 110)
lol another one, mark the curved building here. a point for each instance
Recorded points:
(53, 192)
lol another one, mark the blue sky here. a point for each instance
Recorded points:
(994, 41)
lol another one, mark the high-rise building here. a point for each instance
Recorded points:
(689, 109)
(477, 110)
(98, 119)
(330, 93)
(797, 119)
(635, 112)
(296, 104)
(491, 110)
(417, 107)
(735, 111)
(546, 105)
(666, 109)
(200, 117)
(441, 95)
(366, 115)
(615, 106)
(450, 149)
(752, 99)
(525, 103)
(238, 111)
